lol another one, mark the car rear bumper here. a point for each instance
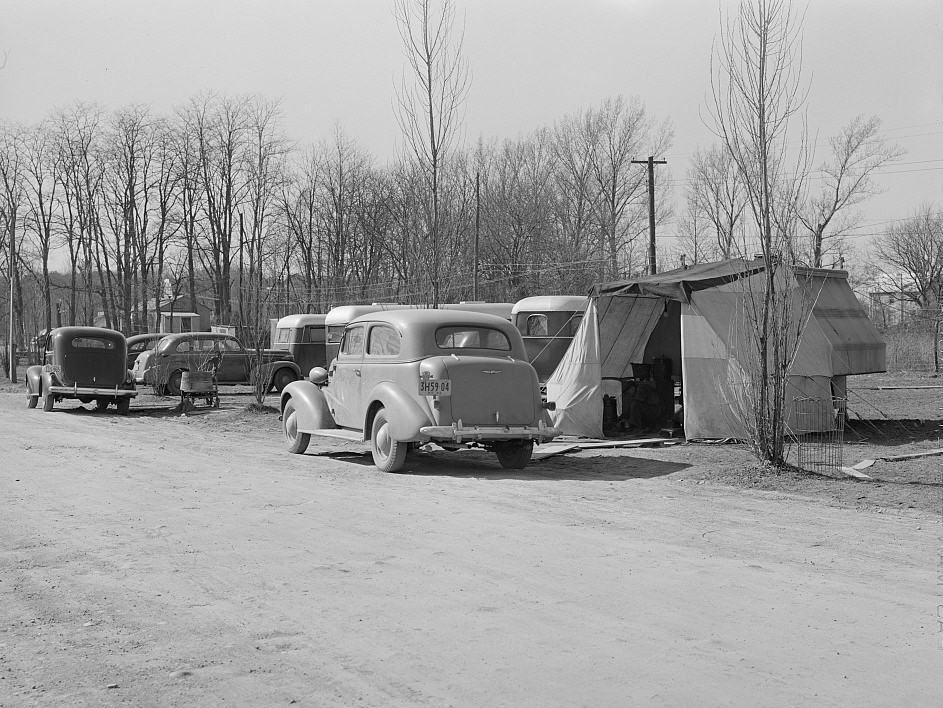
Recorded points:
(93, 392)
(457, 432)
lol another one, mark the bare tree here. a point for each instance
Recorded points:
(716, 197)
(40, 172)
(128, 175)
(576, 200)
(756, 94)
(12, 199)
(164, 186)
(431, 100)
(299, 213)
(517, 180)
(186, 145)
(265, 152)
(79, 144)
(219, 126)
(857, 152)
(912, 252)
(621, 132)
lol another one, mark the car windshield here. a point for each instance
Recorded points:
(470, 337)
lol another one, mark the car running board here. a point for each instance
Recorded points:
(341, 433)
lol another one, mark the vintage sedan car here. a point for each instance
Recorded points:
(138, 343)
(407, 377)
(223, 354)
(85, 363)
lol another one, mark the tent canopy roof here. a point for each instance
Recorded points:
(678, 284)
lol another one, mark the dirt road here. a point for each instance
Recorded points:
(160, 560)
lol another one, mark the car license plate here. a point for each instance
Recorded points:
(435, 387)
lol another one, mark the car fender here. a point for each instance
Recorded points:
(311, 407)
(407, 415)
(34, 376)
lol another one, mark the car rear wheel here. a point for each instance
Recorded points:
(514, 455)
(297, 442)
(33, 400)
(48, 402)
(124, 405)
(282, 378)
(389, 455)
(173, 384)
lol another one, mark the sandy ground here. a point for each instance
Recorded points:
(166, 560)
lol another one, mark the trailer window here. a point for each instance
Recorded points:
(537, 326)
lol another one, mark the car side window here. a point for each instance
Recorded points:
(383, 341)
(184, 346)
(352, 343)
(537, 326)
(230, 345)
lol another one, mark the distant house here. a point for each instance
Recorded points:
(175, 315)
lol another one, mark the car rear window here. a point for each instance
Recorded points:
(92, 343)
(467, 337)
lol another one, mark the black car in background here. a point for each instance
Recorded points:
(83, 363)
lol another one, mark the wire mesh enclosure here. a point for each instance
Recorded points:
(819, 433)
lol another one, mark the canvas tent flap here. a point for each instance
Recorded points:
(575, 386)
(625, 323)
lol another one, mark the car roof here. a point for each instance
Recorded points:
(345, 313)
(69, 332)
(402, 318)
(135, 338)
(208, 335)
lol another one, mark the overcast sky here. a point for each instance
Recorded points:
(532, 61)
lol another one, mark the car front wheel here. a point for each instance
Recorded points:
(389, 455)
(514, 455)
(48, 402)
(33, 400)
(297, 442)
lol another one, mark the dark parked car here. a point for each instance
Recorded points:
(406, 377)
(223, 354)
(85, 363)
(138, 343)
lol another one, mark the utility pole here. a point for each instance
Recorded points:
(477, 226)
(651, 162)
